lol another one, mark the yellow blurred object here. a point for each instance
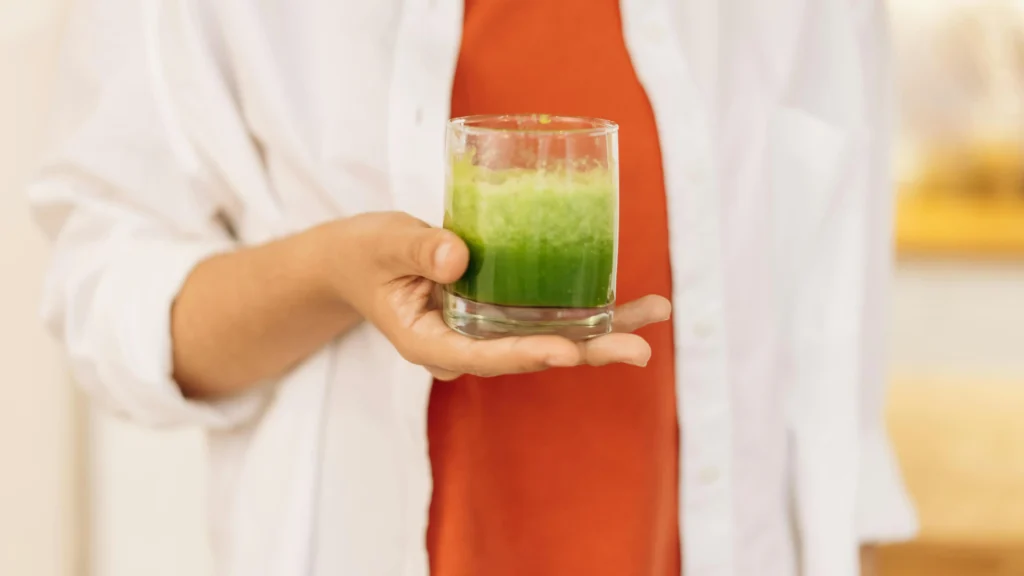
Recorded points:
(965, 201)
(961, 86)
(979, 170)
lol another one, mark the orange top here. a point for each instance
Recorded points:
(566, 471)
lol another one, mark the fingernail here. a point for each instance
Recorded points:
(641, 363)
(441, 255)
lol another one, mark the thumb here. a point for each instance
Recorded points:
(433, 253)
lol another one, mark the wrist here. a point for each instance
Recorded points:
(315, 257)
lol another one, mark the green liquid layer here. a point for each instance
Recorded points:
(536, 238)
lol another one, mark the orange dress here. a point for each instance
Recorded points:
(573, 471)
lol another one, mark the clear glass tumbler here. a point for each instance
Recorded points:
(536, 199)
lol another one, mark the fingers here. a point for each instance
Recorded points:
(442, 375)
(438, 255)
(635, 315)
(448, 354)
(513, 355)
(617, 349)
(460, 355)
(434, 344)
(410, 247)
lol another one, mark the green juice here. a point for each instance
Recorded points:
(536, 238)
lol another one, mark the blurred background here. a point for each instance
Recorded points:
(84, 495)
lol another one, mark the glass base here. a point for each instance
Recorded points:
(480, 320)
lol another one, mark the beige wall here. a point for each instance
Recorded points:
(80, 493)
(38, 508)
(958, 322)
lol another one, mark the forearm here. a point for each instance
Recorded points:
(250, 315)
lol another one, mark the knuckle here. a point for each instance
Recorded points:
(416, 253)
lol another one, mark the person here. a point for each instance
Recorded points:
(245, 207)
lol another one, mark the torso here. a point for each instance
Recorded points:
(568, 471)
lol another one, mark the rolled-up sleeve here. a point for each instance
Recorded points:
(129, 220)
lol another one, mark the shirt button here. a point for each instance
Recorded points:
(698, 176)
(656, 32)
(703, 330)
(708, 476)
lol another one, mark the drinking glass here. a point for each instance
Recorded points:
(535, 198)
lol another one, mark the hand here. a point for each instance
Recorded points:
(388, 267)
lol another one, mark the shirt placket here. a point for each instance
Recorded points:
(426, 51)
(685, 125)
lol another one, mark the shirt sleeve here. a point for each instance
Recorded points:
(884, 510)
(129, 217)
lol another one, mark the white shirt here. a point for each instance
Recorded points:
(273, 116)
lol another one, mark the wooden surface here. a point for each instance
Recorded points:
(950, 560)
(961, 447)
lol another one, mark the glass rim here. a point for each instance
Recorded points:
(591, 126)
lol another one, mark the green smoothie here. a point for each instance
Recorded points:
(536, 238)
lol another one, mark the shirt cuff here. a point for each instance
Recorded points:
(141, 384)
(885, 511)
